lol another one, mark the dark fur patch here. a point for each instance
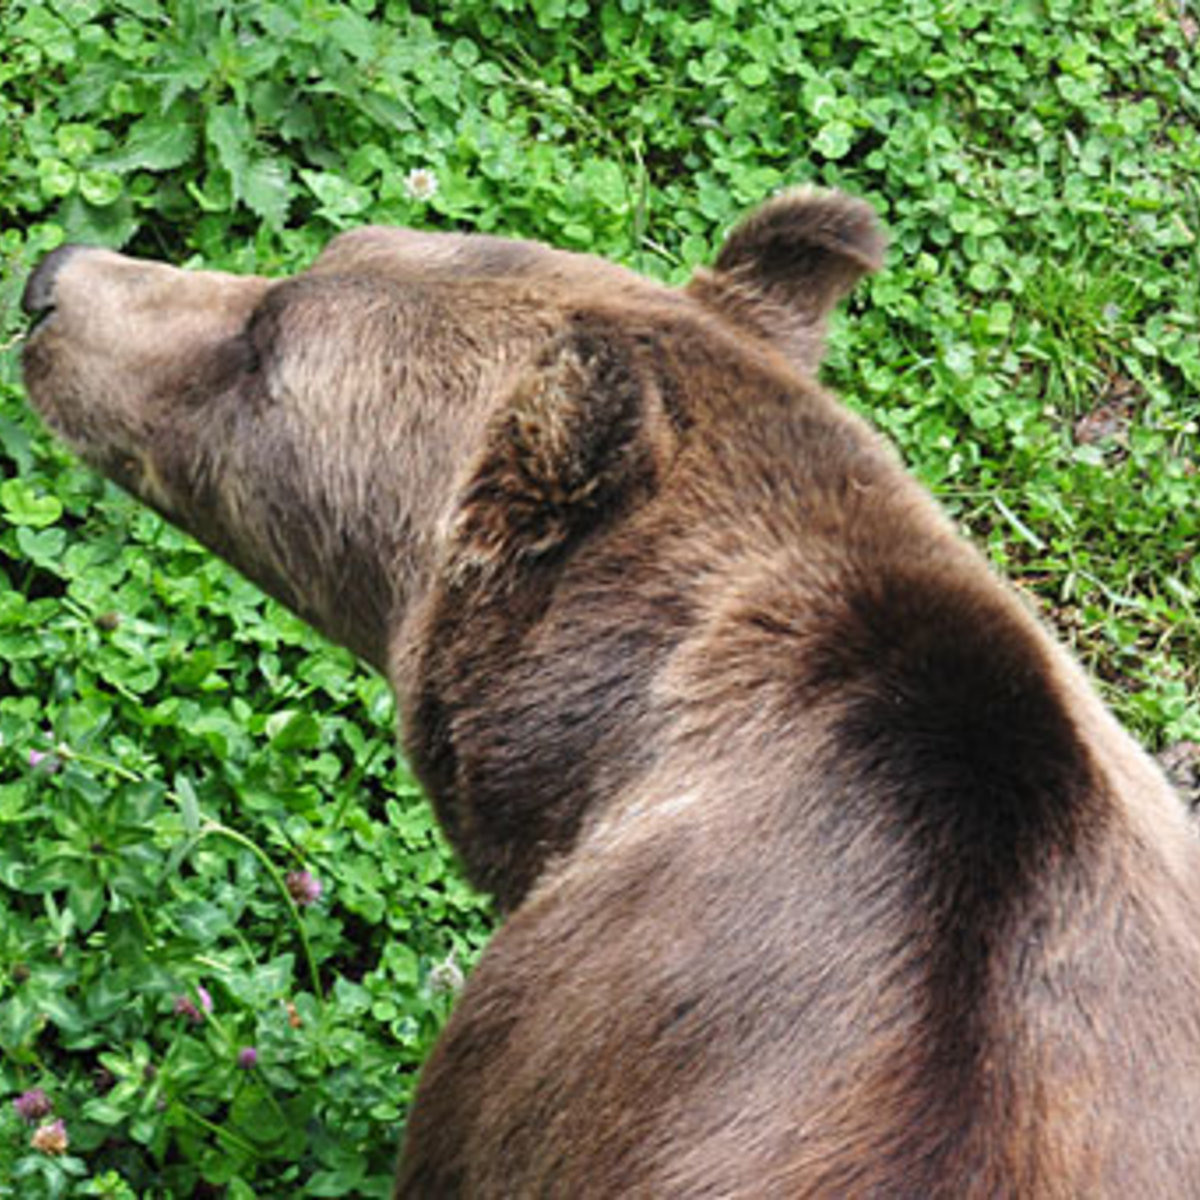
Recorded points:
(950, 711)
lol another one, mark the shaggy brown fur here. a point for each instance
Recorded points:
(827, 874)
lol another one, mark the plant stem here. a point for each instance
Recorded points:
(216, 829)
(218, 1131)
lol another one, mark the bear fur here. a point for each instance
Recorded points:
(826, 872)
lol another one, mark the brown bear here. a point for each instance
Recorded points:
(826, 872)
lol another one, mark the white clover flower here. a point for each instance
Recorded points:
(421, 183)
(446, 976)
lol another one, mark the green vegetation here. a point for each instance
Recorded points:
(181, 763)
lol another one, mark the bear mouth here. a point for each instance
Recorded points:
(38, 319)
(37, 299)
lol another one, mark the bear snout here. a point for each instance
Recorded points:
(37, 300)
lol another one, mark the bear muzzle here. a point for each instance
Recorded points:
(37, 300)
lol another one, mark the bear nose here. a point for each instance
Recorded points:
(38, 298)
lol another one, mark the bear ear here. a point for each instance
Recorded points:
(581, 436)
(786, 265)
